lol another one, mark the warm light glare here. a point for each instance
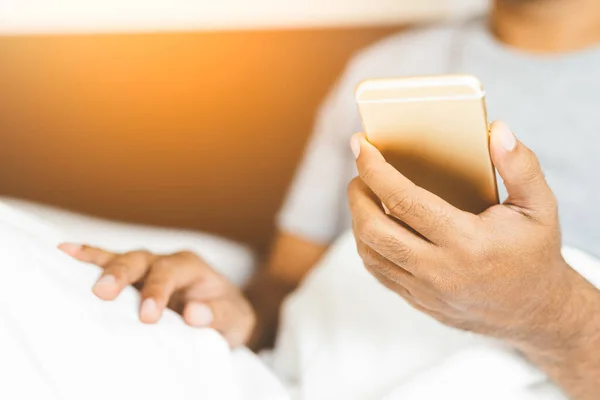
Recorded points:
(24, 16)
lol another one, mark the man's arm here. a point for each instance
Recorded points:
(310, 217)
(573, 362)
(290, 260)
(500, 273)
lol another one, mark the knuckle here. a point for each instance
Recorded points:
(369, 173)
(140, 256)
(162, 263)
(447, 286)
(121, 261)
(119, 267)
(368, 256)
(157, 286)
(400, 202)
(389, 244)
(368, 230)
(388, 271)
(403, 255)
(473, 249)
(382, 269)
(444, 219)
(187, 256)
(373, 237)
(153, 287)
(159, 277)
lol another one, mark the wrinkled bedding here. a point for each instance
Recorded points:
(57, 341)
(342, 337)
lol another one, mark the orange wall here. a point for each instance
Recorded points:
(195, 130)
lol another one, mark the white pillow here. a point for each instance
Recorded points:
(234, 260)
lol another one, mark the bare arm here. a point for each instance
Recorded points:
(290, 260)
(500, 273)
(573, 362)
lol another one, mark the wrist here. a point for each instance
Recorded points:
(570, 330)
(574, 362)
(266, 293)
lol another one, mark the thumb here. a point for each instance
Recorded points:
(520, 170)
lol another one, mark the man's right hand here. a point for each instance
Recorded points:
(180, 281)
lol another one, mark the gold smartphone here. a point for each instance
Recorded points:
(434, 130)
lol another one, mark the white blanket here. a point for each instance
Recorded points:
(233, 260)
(345, 337)
(57, 341)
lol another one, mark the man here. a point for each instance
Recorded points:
(540, 63)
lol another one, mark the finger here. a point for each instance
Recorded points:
(231, 316)
(216, 314)
(412, 297)
(204, 289)
(120, 272)
(168, 276)
(414, 303)
(234, 318)
(383, 268)
(158, 289)
(88, 254)
(425, 212)
(394, 277)
(198, 314)
(372, 226)
(520, 170)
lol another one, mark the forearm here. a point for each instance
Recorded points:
(290, 260)
(573, 363)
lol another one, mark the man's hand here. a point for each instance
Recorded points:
(484, 273)
(500, 273)
(181, 281)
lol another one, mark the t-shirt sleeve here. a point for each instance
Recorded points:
(314, 205)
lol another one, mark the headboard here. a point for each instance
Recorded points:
(199, 130)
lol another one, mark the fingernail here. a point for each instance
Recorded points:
(105, 286)
(70, 248)
(507, 139)
(148, 310)
(355, 145)
(199, 315)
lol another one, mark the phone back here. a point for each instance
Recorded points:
(434, 130)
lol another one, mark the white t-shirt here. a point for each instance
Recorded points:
(550, 101)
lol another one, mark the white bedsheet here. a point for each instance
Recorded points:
(59, 342)
(343, 337)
